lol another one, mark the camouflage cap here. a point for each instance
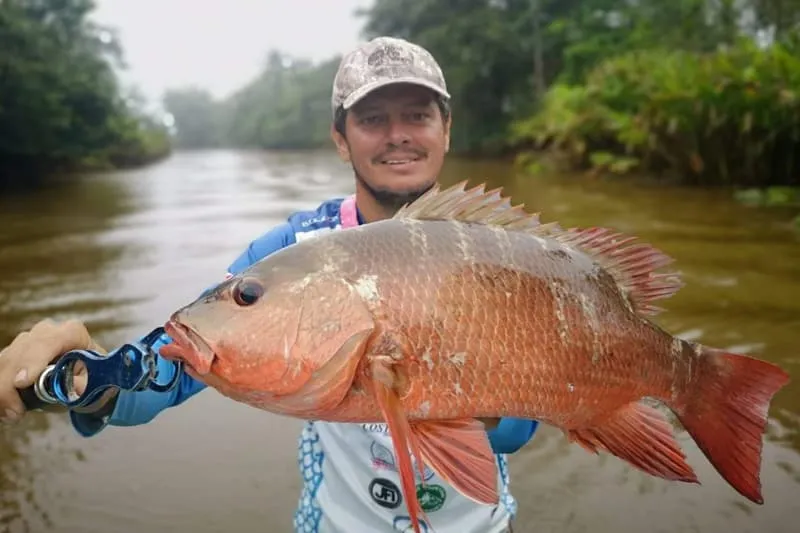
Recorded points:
(380, 62)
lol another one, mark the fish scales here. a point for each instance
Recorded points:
(458, 302)
(463, 307)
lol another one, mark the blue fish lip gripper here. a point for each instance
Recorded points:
(131, 367)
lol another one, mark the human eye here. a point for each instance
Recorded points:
(419, 115)
(370, 119)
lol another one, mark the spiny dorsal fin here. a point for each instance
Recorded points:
(632, 265)
(472, 205)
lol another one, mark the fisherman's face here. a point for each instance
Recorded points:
(396, 140)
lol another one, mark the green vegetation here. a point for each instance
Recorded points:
(727, 117)
(61, 106)
(701, 92)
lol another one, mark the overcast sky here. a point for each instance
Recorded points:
(221, 44)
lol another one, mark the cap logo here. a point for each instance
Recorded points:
(389, 54)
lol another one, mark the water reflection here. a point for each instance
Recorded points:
(54, 262)
(123, 250)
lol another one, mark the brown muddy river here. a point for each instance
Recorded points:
(122, 250)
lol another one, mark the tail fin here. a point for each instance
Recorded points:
(726, 414)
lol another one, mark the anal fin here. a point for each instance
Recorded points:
(640, 435)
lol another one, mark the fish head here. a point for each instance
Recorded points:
(273, 332)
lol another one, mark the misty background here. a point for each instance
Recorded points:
(221, 46)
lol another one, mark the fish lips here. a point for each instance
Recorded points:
(188, 346)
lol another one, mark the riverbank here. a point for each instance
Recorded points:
(25, 173)
(727, 118)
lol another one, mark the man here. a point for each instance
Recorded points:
(391, 122)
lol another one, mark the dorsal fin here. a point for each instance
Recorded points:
(632, 265)
(472, 205)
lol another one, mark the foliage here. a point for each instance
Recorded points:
(770, 196)
(60, 104)
(728, 117)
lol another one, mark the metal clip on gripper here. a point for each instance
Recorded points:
(131, 367)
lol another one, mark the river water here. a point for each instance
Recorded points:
(122, 250)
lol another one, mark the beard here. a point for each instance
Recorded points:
(393, 200)
(388, 199)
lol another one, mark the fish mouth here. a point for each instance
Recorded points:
(188, 346)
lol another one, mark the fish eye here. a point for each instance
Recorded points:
(247, 292)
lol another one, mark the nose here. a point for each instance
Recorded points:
(398, 132)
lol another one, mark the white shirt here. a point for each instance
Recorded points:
(351, 484)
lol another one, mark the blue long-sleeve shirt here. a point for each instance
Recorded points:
(136, 408)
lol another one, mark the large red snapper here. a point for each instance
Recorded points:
(462, 307)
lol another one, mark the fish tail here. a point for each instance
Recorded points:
(726, 414)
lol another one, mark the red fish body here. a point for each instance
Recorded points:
(462, 307)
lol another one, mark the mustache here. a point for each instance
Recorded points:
(418, 152)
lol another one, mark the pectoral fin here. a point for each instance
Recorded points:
(384, 381)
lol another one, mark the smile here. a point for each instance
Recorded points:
(399, 161)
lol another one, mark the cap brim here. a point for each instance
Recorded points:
(359, 94)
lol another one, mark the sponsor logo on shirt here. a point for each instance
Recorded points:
(385, 493)
(383, 459)
(319, 219)
(431, 497)
(403, 525)
(383, 429)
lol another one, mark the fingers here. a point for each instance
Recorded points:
(11, 406)
(46, 341)
(22, 361)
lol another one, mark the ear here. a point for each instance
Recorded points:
(341, 144)
(447, 133)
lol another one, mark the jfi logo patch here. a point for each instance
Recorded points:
(385, 493)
